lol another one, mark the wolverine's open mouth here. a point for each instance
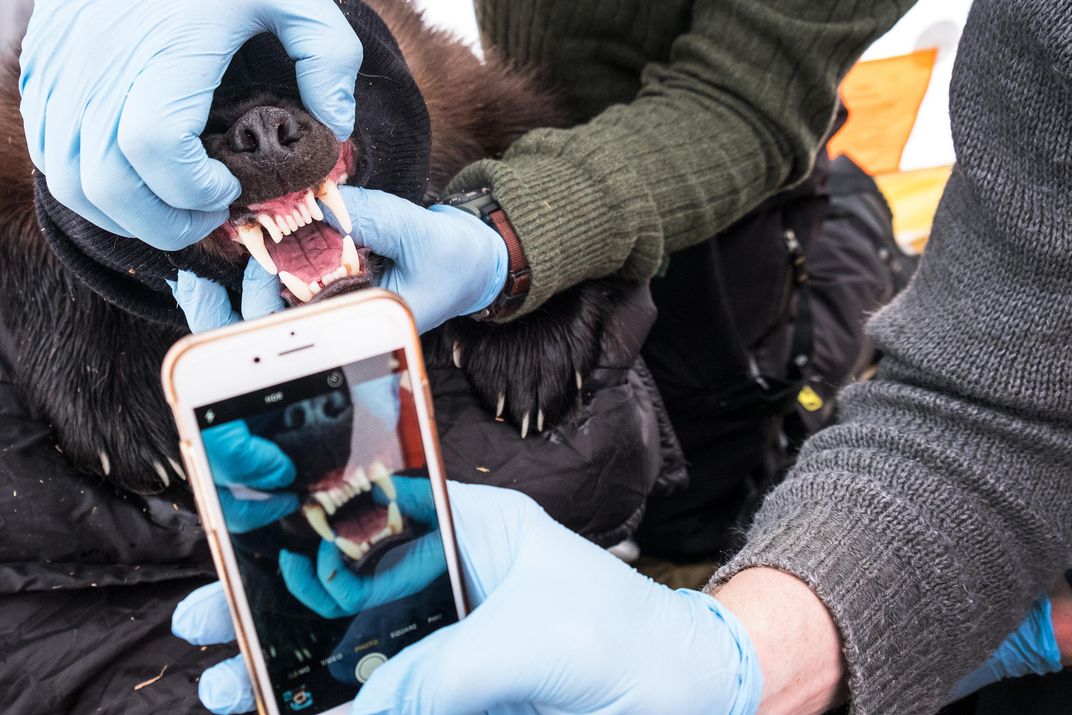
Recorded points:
(311, 258)
(357, 512)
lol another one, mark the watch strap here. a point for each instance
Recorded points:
(519, 274)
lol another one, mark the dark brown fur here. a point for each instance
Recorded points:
(477, 109)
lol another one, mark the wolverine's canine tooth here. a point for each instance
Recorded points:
(329, 194)
(269, 223)
(350, 259)
(318, 519)
(252, 237)
(299, 289)
(394, 518)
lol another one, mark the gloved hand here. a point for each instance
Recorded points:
(1030, 649)
(333, 590)
(207, 305)
(444, 262)
(559, 622)
(202, 618)
(115, 96)
(563, 624)
(247, 471)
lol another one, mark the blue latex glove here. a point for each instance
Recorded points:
(566, 626)
(248, 470)
(559, 622)
(202, 618)
(444, 262)
(207, 305)
(333, 590)
(1030, 649)
(115, 95)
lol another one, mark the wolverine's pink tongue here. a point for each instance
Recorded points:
(314, 256)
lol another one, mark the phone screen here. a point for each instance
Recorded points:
(324, 486)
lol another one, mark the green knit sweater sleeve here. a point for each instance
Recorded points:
(733, 114)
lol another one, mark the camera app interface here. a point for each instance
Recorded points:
(327, 501)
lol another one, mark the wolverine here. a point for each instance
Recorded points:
(101, 538)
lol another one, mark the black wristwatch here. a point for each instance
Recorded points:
(483, 205)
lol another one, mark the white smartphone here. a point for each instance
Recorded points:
(312, 452)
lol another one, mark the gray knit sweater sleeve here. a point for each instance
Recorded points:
(941, 505)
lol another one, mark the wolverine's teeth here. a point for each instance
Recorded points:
(252, 237)
(325, 501)
(350, 259)
(394, 518)
(303, 211)
(348, 491)
(329, 278)
(313, 206)
(296, 286)
(359, 480)
(318, 519)
(291, 223)
(284, 225)
(329, 194)
(273, 230)
(298, 219)
(354, 550)
(314, 287)
(387, 486)
(383, 534)
(378, 470)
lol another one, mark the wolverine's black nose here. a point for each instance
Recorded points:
(270, 133)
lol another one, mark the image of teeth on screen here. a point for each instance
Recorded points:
(325, 493)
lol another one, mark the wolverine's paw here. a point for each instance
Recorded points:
(530, 371)
(141, 457)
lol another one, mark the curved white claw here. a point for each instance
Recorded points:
(525, 426)
(500, 405)
(539, 420)
(457, 355)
